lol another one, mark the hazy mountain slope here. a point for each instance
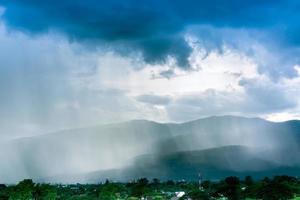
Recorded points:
(80, 150)
(275, 139)
(116, 145)
(215, 163)
(230, 130)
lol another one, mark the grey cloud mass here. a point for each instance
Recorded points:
(257, 100)
(155, 29)
(154, 99)
(38, 57)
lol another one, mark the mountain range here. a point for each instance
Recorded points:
(216, 147)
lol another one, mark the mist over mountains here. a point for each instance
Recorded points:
(215, 147)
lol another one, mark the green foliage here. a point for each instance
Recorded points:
(111, 191)
(248, 181)
(22, 191)
(230, 188)
(140, 188)
(277, 188)
(3, 192)
(199, 195)
(133, 198)
(45, 192)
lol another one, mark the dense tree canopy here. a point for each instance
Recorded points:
(231, 188)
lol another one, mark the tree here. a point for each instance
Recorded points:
(140, 188)
(206, 184)
(198, 195)
(44, 192)
(155, 181)
(107, 196)
(109, 191)
(3, 192)
(274, 190)
(143, 181)
(231, 188)
(248, 181)
(22, 191)
(170, 183)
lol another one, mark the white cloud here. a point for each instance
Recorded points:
(282, 116)
(48, 83)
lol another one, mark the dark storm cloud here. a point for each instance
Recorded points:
(153, 28)
(273, 53)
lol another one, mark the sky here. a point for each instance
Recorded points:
(69, 63)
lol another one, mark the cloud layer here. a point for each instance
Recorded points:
(68, 63)
(154, 29)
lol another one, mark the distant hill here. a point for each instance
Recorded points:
(218, 146)
(213, 164)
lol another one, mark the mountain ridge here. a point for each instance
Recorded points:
(214, 117)
(117, 145)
